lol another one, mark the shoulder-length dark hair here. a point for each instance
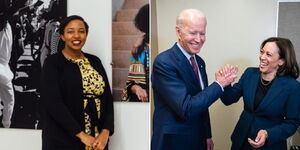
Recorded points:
(287, 53)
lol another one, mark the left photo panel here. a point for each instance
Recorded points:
(28, 34)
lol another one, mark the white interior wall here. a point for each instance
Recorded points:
(132, 126)
(235, 31)
(131, 119)
(98, 15)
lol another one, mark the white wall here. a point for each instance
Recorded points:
(98, 15)
(132, 131)
(235, 31)
(132, 123)
(131, 119)
(17, 139)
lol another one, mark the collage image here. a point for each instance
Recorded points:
(149, 75)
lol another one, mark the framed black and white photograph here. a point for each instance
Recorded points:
(28, 34)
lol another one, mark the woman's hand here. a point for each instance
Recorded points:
(85, 138)
(137, 44)
(226, 75)
(101, 140)
(140, 93)
(260, 139)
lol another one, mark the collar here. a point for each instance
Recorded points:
(186, 54)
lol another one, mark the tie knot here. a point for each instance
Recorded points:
(192, 59)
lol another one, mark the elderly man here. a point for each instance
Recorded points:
(181, 91)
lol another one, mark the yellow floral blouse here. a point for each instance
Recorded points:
(93, 87)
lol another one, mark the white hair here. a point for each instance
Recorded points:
(188, 14)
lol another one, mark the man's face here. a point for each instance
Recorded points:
(191, 35)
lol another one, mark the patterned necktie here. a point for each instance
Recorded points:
(195, 68)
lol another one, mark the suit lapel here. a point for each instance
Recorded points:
(185, 67)
(253, 81)
(203, 74)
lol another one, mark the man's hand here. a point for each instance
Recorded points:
(209, 144)
(226, 75)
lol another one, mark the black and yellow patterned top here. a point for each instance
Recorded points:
(93, 87)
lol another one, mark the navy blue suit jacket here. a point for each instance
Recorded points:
(181, 118)
(278, 113)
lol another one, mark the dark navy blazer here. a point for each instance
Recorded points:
(181, 117)
(278, 113)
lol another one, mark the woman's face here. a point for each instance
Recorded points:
(270, 59)
(74, 35)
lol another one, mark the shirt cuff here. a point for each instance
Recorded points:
(220, 86)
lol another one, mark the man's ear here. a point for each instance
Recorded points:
(178, 32)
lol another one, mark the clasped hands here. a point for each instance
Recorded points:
(226, 75)
(97, 143)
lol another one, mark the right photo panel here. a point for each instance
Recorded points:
(216, 73)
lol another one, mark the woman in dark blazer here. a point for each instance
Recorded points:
(76, 97)
(271, 99)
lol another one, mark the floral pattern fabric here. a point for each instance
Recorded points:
(93, 88)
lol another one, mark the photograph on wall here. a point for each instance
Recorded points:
(28, 34)
(288, 25)
(130, 51)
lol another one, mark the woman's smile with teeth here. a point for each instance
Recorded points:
(263, 64)
(76, 42)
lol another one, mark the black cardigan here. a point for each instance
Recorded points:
(62, 103)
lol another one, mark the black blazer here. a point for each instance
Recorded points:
(62, 103)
